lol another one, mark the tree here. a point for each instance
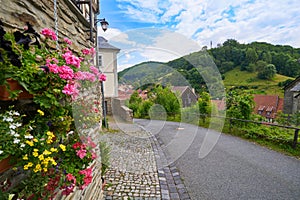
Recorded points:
(251, 56)
(135, 102)
(204, 105)
(267, 72)
(239, 105)
(166, 98)
(266, 56)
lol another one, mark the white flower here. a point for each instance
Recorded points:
(22, 145)
(30, 128)
(28, 136)
(16, 140)
(17, 135)
(12, 132)
(18, 124)
(1, 152)
(70, 132)
(16, 113)
(8, 119)
(12, 126)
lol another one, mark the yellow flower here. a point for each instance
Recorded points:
(46, 152)
(53, 149)
(49, 133)
(45, 169)
(35, 140)
(54, 163)
(30, 143)
(41, 157)
(63, 147)
(35, 149)
(37, 168)
(40, 112)
(50, 137)
(35, 154)
(28, 165)
(25, 157)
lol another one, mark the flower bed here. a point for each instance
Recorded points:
(48, 146)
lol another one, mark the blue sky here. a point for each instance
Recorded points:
(162, 30)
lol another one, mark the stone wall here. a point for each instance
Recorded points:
(120, 111)
(14, 14)
(71, 23)
(291, 99)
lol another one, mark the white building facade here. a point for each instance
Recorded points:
(107, 59)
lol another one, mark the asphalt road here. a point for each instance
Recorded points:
(233, 169)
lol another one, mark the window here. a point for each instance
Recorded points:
(100, 60)
(260, 112)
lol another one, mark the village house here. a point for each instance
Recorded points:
(268, 106)
(107, 58)
(187, 95)
(292, 97)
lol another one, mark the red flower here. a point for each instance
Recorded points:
(76, 145)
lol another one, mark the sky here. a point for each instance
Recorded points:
(163, 30)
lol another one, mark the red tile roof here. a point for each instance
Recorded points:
(267, 105)
(221, 104)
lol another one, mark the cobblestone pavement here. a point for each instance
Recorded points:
(137, 167)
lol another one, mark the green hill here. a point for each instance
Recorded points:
(238, 64)
(249, 81)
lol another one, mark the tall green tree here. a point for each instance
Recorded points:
(239, 105)
(166, 98)
(267, 72)
(204, 105)
(135, 102)
(251, 56)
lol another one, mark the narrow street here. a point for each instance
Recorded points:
(234, 169)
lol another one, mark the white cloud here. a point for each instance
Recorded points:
(197, 22)
(252, 19)
(168, 46)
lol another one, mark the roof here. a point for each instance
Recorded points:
(296, 88)
(179, 89)
(103, 44)
(268, 103)
(292, 83)
(221, 104)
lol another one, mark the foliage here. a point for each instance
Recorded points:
(239, 105)
(105, 150)
(135, 102)
(288, 119)
(204, 105)
(267, 72)
(46, 146)
(157, 96)
(227, 57)
(166, 98)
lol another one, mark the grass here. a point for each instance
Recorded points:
(236, 78)
(282, 147)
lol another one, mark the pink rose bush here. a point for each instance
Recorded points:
(68, 66)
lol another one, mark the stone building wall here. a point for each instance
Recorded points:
(14, 14)
(40, 13)
(291, 103)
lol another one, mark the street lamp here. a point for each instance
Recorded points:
(104, 24)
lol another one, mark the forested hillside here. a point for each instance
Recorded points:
(257, 62)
